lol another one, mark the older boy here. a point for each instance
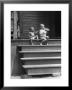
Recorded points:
(43, 34)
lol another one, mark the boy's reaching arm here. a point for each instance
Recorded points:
(47, 29)
(36, 33)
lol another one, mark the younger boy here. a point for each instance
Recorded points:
(32, 35)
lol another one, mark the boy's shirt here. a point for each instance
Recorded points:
(31, 35)
(43, 33)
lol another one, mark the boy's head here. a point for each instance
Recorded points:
(42, 26)
(32, 29)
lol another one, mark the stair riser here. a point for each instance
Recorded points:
(42, 54)
(39, 62)
(40, 48)
(20, 43)
(28, 42)
(39, 71)
(49, 42)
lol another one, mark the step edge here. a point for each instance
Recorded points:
(35, 39)
(42, 66)
(33, 58)
(39, 45)
(39, 73)
(42, 51)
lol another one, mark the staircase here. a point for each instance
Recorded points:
(41, 60)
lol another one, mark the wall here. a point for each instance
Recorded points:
(16, 66)
(35, 18)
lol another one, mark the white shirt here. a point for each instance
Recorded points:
(42, 33)
(31, 35)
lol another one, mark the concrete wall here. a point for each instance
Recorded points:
(16, 66)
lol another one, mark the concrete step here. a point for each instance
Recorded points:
(40, 51)
(41, 76)
(42, 66)
(35, 42)
(44, 53)
(39, 48)
(50, 41)
(40, 62)
(43, 71)
(40, 58)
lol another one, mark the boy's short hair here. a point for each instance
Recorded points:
(31, 28)
(42, 25)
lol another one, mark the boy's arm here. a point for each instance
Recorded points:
(30, 35)
(47, 29)
(36, 33)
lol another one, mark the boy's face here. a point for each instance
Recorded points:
(32, 28)
(42, 26)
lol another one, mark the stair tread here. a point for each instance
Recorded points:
(40, 74)
(40, 45)
(41, 66)
(43, 71)
(42, 58)
(42, 51)
(38, 39)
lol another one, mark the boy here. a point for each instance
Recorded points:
(43, 34)
(32, 35)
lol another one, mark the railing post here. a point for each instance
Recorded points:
(15, 24)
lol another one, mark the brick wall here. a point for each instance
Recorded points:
(35, 18)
